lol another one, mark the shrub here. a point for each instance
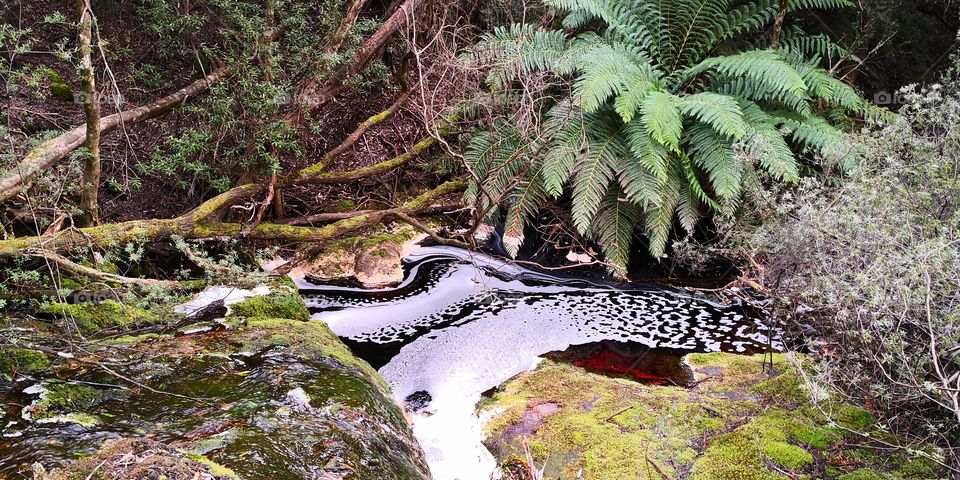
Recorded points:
(875, 263)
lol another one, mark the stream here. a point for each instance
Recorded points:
(463, 323)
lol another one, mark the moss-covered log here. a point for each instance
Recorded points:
(193, 225)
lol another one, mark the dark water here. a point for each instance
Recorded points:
(448, 289)
(463, 323)
(652, 366)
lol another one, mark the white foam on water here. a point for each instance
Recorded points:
(473, 331)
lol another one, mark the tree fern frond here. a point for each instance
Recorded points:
(613, 228)
(759, 13)
(595, 170)
(517, 50)
(604, 72)
(694, 26)
(565, 124)
(524, 203)
(814, 46)
(719, 111)
(813, 132)
(688, 209)
(638, 21)
(650, 153)
(764, 67)
(825, 86)
(660, 114)
(765, 142)
(694, 183)
(658, 218)
(877, 114)
(714, 154)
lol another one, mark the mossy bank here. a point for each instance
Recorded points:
(738, 422)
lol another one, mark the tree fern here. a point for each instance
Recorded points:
(666, 118)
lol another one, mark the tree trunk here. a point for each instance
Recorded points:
(269, 13)
(316, 94)
(778, 25)
(90, 182)
(52, 151)
(349, 20)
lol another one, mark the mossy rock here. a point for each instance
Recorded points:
(141, 459)
(92, 318)
(66, 398)
(375, 260)
(282, 302)
(740, 422)
(245, 375)
(22, 360)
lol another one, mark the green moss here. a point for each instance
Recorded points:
(280, 303)
(786, 389)
(214, 468)
(91, 318)
(374, 240)
(340, 206)
(22, 360)
(66, 397)
(854, 418)
(59, 88)
(920, 468)
(85, 420)
(766, 438)
(310, 339)
(863, 474)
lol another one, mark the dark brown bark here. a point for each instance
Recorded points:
(349, 20)
(778, 25)
(316, 93)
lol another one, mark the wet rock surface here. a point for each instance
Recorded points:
(372, 261)
(736, 420)
(255, 397)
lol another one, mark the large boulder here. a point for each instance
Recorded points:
(258, 395)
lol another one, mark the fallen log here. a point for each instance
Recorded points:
(71, 267)
(192, 226)
(334, 216)
(53, 151)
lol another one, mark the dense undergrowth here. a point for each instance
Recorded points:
(870, 260)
